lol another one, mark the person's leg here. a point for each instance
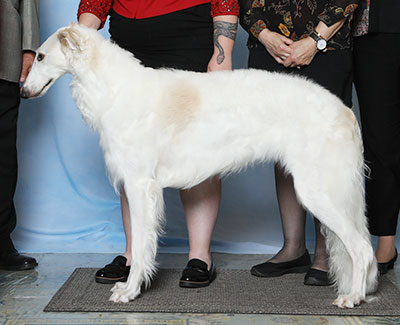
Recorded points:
(378, 56)
(320, 255)
(118, 269)
(386, 249)
(126, 221)
(201, 204)
(293, 218)
(10, 259)
(9, 102)
(293, 256)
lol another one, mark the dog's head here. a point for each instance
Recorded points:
(55, 57)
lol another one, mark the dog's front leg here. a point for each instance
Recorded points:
(146, 206)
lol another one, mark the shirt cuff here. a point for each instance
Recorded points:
(257, 28)
(224, 7)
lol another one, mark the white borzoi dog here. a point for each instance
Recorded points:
(171, 128)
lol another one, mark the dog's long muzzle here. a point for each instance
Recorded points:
(26, 93)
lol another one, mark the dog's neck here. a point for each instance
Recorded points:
(92, 84)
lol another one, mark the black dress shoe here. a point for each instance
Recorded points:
(13, 261)
(269, 269)
(383, 268)
(196, 275)
(117, 271)
(316, 277)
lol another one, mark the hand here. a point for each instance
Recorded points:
(276, 44)
(303, 52)
(27, 60)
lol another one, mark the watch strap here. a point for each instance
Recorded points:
(317, 37)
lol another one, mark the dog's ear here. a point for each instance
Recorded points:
(70, 39)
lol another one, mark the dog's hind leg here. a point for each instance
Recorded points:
(341, 210)
(329, 182)
(352, 264)
(146, 203)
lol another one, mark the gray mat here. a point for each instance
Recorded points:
(234, 291)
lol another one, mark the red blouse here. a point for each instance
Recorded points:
(150, 8)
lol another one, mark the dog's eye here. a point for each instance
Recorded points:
(40, 57)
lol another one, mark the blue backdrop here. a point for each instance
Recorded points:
(65, 202)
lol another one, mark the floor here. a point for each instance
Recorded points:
(24, 294)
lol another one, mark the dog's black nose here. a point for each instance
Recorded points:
(24, 93)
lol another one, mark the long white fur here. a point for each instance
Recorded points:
(171, 128)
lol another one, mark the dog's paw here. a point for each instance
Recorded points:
(124, 295)
(347, 301)
(119, 286)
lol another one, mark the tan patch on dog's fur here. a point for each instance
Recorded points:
(71, 40)
(345, 124)
(181, 101)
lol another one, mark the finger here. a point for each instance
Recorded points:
(287, 62)
(286, 40)
(24, 73)
(284, 49)
(283, 57)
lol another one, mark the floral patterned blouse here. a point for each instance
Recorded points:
(297, 18)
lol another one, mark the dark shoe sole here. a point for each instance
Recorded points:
(383, 268)
(104, 280)
(297, 269)
(193, 284)
(311, 281)
(24, 267)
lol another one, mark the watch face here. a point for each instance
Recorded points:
(321, 44)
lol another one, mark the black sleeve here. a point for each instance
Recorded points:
(252, 16)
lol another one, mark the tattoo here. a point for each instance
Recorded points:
(225, 29)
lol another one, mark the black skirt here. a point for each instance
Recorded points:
(181, 40)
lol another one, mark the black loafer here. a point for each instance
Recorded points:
(383, 268)
(269, 269)
(117, 271)
(11, 260)
(316, 277)
(196, 275)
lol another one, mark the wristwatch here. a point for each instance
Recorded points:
(319, 40)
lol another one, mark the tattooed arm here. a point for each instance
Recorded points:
(225, 28)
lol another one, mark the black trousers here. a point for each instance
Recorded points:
(181, 40)
(9, 103)
(332, 70)
(377, 81)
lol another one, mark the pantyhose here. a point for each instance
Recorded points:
(293, 218)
